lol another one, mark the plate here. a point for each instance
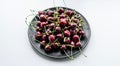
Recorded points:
(58, 54)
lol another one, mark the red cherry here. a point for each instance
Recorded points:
(72, 43)
(61, 10)
(52, 25)
(59, 36)
(43, 43)
(55, 45)
(63, 47)
(78, 44)
(69, 13)
(38, 23)
(50, 13)
(81, 33)
(75, 20)
(44, 37)
(48, 48)
(48, 31)
(42, 18)
(67, 40)
(73, 25)
(37, 28)
(76, 38)
(51, 38)
(58, 29)
(50, 19)
(40, 12)
(62, 16)
(67, 33)
(38, 35)
(63, 22)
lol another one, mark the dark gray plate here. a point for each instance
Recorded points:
(36, 46)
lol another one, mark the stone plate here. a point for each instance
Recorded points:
(36, 45)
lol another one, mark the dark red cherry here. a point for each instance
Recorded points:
(63, 22)
(38, 35)
(67, 33)
(73, 25)
(67, 39)
(63, 47)
(43, 43)
(52, 25)
(50, 13)
(55, 45)
(69, 13)
(42, 18)
(51, 38)
(75, 20)
(44, 37)
(72, 44)
(76, 38)
(78, 44)
(58, 29)
(60, 10)
(48, 48)
(40, 12)
(59, 36)
(37, 28)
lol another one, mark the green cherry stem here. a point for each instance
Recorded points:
(37, 40)
(71, 58)
(82, 52)
(71, 52)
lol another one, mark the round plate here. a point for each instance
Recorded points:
(36, 45)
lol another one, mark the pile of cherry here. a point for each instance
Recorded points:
(59, 30)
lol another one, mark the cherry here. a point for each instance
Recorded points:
(40, 12)
(67, 33)
(46, 23)
(67, 39)
(48, 48)
(76, 38)
(51, 38)
(78, 44)
(55, 45)
(48, 31)
(38, 35)
(38, 23)
(37, 28)
(61, 10)
(42, 18)
(63, 22)
(82, 32)
(52, 25)
(75, 20)
(59, 36)
(50, 13)
(62, 16)
(44, 37)
(73, 25)
(43, 43)
(63, 47)
(72, 43)
(58, 29)
(50, 19)
(69, 13)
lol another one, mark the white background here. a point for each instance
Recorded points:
(102, 50)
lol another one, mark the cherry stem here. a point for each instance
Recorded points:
(71, 52)
(71, 58)
(82, 52)
(37, 40)
(32, 26)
